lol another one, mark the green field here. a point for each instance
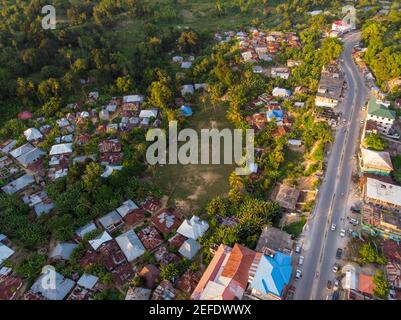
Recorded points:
(192, 186)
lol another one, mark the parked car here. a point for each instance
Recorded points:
(336, 267)
(298, 248)
(339, 253)
(336, 285)
(342, 233)
(298, 274)
(329, 284)
(333, 227)
(354, 221)
(301, 260)
(355, 209)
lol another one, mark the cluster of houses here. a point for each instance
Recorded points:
(258, 46)
(151, 228)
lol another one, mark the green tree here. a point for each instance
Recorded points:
(381, 289)
(168, 272)
(375, 142)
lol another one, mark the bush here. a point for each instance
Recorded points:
(375, 142)
(381, 289)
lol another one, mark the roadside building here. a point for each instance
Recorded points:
(274, 240)
(287, 197)
(383, 116)
(226, 277)
(376, 162)
(382, 193)
(272, 276)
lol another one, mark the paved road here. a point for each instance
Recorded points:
(319, 243)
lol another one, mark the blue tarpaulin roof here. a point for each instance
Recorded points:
(186, 111)
(277, 114)
(273, 274)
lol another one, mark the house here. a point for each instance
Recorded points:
(40, 202)
(274, 240)
(201, 86)
(146, 115)
(189, 248)
(137, 293)
(18, 184)
(111, 221)
(86, 229)
(5, 253)
(7, 146)
(357, 286)
(186, 65)
(109, 146)
(287, 197)
(293, 63)
(134, 99)
(178, 59)
(151, 205)
(177, 240)
(275, 115)
(341, 26)
(126, 208)
(193, 228)
(280, 72)
(272, 277)
(61, 149)
(188, 281)
(104, 115)
(27, 154)
(186, 111)
(63, 122)
(187, 89)
(59, 291)
(382, 193)
(150, 238)
(97, 242)
(164, 291)
(164, 257)
(166, 220)
(226, 277)
(25, 115)
(10, 287)
(87, 285)
(150, 275)
(257, 69)
(383, 116)
(281, 93)
(330, 87)
(295, 143)
(62, 251)
(32, 134)
(131, 246)
(135, 217)
(376, 162)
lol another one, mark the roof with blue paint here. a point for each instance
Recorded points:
(277, 114)
(186, 111)
(273, 274)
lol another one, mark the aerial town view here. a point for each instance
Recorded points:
(198, 150)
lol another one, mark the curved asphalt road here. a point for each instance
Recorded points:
(319, 243)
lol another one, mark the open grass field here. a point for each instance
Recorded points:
(192, 186)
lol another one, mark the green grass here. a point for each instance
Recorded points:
(195, 185)
(295, 229)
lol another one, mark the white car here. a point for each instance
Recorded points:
(301, 260)
(298, 274)
(354, 221)
(333, 227)
(298, 248)
(342, 233)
